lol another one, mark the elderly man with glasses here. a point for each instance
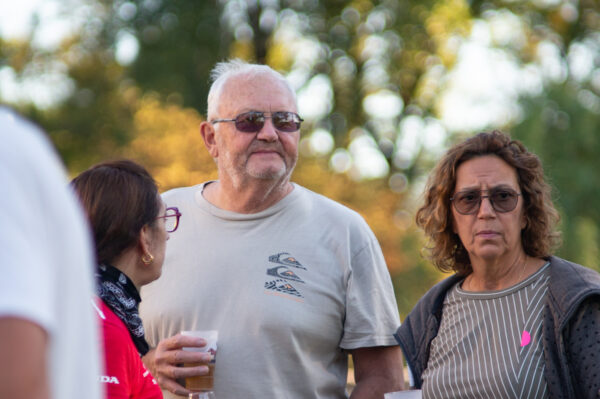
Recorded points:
(293, 281)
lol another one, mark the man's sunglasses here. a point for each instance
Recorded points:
(502, 199)
(253, 121)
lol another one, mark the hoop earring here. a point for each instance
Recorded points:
(147, 258)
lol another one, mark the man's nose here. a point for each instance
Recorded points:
(268, 131)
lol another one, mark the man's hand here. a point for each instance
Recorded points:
(377, 371)
(166, 362)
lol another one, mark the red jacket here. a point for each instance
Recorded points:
(125, 376)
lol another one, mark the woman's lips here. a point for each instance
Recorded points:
(487, 234)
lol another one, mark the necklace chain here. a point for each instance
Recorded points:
(522, 272)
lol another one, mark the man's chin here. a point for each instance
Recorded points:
(268, 173)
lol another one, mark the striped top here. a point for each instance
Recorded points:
(489, 344)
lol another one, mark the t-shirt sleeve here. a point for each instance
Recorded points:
(371, 309)
(27, 285)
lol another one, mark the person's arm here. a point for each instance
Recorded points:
(23, 374)
(165, 362)
(583, 350)
(377, 371)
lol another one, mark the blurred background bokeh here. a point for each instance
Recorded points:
(384, 87)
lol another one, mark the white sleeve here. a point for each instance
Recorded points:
(371, 309)
(46, 257)
(29, 171)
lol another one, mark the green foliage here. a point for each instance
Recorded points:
(180, 41)
(564, 134)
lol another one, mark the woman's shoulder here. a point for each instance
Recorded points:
(567, 272)
(570, 284)
(114, 330)
(433, 299)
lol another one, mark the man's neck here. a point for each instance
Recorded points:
(247, 199)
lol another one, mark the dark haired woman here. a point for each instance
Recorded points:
(131, 226)
(514, 321)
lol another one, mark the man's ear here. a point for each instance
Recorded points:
(207, 131)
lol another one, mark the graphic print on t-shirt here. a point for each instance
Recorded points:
(284, 258)
(284, 272)
(283, 287)
(280, 278)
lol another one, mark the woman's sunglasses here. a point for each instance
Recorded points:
(502, 199)
(253, 121)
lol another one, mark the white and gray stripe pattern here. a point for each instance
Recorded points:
(489, 344)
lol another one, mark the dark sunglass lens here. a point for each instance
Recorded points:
(250, 122)
(286, 121)
(467, 202)
(504, 200)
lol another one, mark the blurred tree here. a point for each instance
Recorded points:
(168, 141)
(562, 126)
(119, 50)
(561, 118)
(179, 41)
(367, 52)
(362, 67)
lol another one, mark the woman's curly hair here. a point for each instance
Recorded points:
(539, 237)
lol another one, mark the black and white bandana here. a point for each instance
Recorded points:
(121, 296)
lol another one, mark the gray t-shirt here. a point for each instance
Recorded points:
(489, 344)
(288, 289)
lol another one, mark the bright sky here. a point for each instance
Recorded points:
(15, 23)
(15, 17)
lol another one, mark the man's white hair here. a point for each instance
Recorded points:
(223, 71)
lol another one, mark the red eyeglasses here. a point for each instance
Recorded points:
(171, 217)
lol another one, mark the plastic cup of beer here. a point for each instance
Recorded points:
(409, 394)
(202, 395)
(203, 382)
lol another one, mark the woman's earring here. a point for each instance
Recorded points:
(147, 258)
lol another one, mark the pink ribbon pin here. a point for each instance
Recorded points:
(525, 338)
